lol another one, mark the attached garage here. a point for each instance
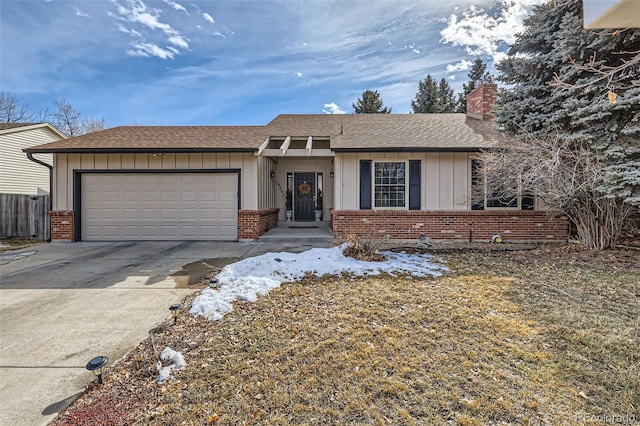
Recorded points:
(119, 206)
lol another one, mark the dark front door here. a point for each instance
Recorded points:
(304, 190)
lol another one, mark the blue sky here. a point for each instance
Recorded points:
(175, 62)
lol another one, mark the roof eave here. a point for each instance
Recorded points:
(412, 149)
(37, 150)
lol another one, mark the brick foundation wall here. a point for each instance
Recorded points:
(61, 223)
(253, 223)
(452, 225)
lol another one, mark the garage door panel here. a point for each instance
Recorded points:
(188, 196)
(159, 206)
(227, 214)
(149, 196)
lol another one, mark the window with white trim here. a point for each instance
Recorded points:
(390, 184)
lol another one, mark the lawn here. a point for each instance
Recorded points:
(524, 337)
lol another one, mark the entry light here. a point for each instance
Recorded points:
(175, 310)
(273, 174)
(97, 365)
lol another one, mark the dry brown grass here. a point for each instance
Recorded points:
(17, 243)
(503, 339)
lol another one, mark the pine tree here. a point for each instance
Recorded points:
(433, 97)
(370, 103)
(476, 74)
(446, 100)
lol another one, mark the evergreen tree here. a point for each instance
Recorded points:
(433, 97)
(476, 74)
(370, 103)
(446, 100)
(599, 154)
(553, 42)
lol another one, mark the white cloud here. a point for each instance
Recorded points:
(176, 6)
(332, 108)
(208, 18)
(125, 30)
(482, 34)
(136, 12)
(460, 66)
(81, 13)
(179, 41)
(298, 74)
(150, 49)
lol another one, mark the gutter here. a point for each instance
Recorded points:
(50, 167)
(136, 150)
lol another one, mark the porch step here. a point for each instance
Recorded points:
(300, 232)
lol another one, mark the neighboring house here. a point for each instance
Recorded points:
(611, 13)
(18, 174)
(404, 176)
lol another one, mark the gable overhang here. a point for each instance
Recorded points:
(28, 127)
(614, 14)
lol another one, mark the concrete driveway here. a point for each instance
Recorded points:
(62, 304)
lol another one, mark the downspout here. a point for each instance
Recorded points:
(50, 167)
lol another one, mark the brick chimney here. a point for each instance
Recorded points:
(480, 101)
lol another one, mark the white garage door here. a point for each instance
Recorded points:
(159, 206)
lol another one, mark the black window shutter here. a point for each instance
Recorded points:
(477, 186)
(365, 184)
(527, 202)
(414, 184)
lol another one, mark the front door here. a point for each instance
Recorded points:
(304, 192)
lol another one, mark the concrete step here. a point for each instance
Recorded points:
(302, 232)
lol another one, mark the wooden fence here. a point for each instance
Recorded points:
(24, 216)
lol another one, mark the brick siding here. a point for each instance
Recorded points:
(451, 225)
(61, 222)
(253, 223)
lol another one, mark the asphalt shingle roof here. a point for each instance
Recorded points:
(346, 132)
(162, 138)
(390, 131)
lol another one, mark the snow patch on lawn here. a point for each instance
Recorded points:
(248, 278)
(169, 354)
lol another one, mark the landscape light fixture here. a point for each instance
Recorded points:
(97, 365)
(175, 310)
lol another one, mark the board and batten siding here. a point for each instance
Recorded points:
(67, 163)
(18, 174)
(266, 186)
(445, 178)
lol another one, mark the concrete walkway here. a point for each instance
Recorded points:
(63, 304)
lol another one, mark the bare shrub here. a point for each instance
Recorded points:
(567, 175)
(365, 247)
